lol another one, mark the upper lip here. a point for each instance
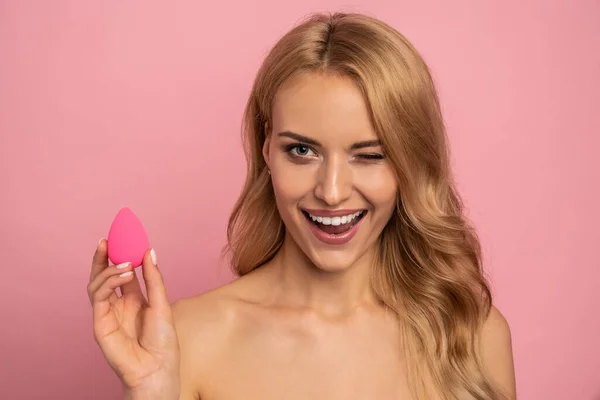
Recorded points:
(332, 213)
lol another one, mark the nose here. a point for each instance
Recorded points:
(334, 182)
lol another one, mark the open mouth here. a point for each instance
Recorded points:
(335, 225)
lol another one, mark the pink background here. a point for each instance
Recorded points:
(105, 104)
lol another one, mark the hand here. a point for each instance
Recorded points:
(137, 336)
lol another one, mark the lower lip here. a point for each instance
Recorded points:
(342, 238)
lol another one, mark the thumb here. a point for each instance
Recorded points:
(155, 287)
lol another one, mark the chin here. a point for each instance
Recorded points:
(331, 263)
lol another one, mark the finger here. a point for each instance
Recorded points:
(132, 287)
(101, 297)
(100, 263)
(100, 260)
(155, 288)
(108, 272)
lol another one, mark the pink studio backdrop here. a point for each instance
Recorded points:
(105, 104)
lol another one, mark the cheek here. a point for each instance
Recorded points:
(291, 182)
(380, 189)
(290, 187)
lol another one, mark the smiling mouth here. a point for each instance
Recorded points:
(335, 225)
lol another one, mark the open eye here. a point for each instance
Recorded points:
(299, 150)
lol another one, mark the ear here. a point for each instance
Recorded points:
(266, 145)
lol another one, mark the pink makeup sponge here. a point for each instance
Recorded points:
(127, 239)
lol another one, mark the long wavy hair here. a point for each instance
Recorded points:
(428, 267)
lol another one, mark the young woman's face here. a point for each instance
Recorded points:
(334, 188)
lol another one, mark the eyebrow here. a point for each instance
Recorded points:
(313, 142)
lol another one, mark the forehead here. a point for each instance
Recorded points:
(322, 106)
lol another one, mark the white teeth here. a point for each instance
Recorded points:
(335, 221)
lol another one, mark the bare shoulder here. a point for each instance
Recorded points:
(203, 314)
(207, 318)
(203, 324)
(208, 314)
(496, 351)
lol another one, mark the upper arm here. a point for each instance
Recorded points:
(202, 331)
(182, 325)
(496, 352)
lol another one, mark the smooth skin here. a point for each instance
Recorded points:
(137, 335)
(306, 325)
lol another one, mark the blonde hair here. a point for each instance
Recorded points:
(428, 267)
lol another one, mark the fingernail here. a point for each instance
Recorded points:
(124, 274)
(123, 265)
(100, 241)
(153, 256)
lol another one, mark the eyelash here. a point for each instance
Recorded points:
(369, 156)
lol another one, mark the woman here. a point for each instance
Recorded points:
(360, 278)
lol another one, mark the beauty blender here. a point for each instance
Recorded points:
(127, 239)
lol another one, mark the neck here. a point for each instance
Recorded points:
(299, 283)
